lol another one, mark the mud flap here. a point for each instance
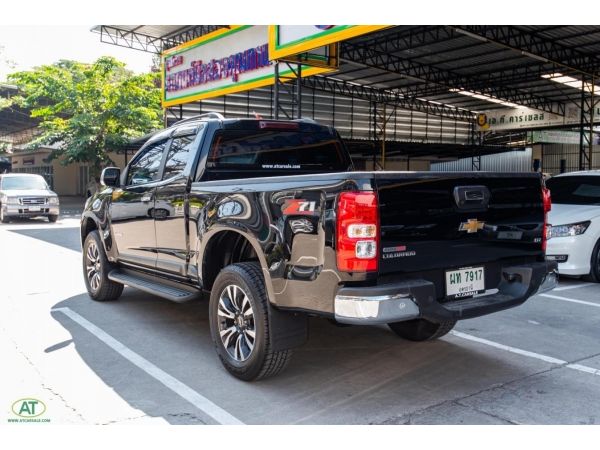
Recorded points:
(288, 329)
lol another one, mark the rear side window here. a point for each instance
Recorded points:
(276, 150)
(178, 156)
(146, 167)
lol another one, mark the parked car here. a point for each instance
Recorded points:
(271, 220)
(575, 219)
(26, 195)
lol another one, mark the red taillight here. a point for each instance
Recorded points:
(357, 232)
(546, 199)
(547, 202)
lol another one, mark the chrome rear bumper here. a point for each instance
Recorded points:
(406, 300)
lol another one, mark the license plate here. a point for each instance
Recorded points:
(465, 282)
(516, 235)
(34, 209)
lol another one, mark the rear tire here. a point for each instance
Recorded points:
(594, 275)
(239, 324)
(52, 218)
(421, 330)
(95, 270)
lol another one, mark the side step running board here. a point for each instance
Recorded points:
(154, 285)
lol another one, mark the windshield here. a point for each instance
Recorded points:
(575, 190)
(27, 182)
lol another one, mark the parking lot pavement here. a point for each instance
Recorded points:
(146, 359)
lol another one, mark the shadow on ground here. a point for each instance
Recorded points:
(64, 237)
(342, 375)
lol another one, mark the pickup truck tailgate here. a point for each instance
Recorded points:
(452, 220)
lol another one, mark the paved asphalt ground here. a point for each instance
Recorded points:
(143, 359)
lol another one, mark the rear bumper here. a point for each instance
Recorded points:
(418, 298)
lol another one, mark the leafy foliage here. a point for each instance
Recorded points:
(86, 109)
(5, 102)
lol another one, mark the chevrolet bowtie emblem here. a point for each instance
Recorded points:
(471, 226)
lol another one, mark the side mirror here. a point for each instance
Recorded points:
(111, 176)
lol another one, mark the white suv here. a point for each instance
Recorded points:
(575, 220)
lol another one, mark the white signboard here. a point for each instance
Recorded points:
(527, 118)
(559, 137)
(287, 40)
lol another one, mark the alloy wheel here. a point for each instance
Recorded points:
(236, 322)
(93, 266)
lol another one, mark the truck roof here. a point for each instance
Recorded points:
(305, 125)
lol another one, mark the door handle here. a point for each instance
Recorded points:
(146, 198)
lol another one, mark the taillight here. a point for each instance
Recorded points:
(357, 232)
(547, 202)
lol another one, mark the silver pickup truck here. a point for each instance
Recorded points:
(26, 195)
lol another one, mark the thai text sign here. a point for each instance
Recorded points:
(527, 118)
(223, 62)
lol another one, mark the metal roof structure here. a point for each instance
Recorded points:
(151, 38)
(442, 75)
(431, 62)
(14, 118)
(504, 62)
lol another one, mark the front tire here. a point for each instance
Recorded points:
(239, 324)
(3, 218)
(421, 330)
(52, 218)
(594, 275)
(95, 270)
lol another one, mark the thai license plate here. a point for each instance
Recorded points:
(34, 209)
(465, 282)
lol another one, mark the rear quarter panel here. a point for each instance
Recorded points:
(290, 221)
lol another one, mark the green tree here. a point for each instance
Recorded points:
(5, 102)
(89, 109)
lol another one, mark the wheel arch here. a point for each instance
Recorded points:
(227, 246)
(88, 224)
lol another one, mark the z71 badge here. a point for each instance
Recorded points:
(296, 206)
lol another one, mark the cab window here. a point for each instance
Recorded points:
(178, 156)
(146, 167)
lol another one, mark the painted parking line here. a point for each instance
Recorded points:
(572, 300)
(527, 353)
(184, 391)
(572, 286)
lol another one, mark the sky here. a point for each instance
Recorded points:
(30, 46)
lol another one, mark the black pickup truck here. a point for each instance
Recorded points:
(270, 219)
